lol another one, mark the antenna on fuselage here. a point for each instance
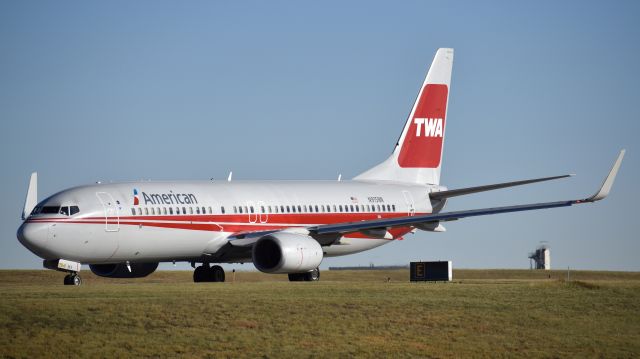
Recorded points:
(230, 175)
(340, 177)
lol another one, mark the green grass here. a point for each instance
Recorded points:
(484, 313)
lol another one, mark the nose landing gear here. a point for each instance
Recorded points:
(204, 273)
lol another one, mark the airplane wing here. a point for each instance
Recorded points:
(247, 239)
(344, 228)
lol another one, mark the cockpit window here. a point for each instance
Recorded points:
(50, 209)
(64, 210)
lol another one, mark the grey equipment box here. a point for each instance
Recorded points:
(431, 271)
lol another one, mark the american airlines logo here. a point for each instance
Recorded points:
(164, 198)
(432, 127)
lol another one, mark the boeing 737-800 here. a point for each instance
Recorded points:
(124, 230)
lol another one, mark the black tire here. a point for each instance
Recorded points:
(296, 277)
(312, 276)
(200, 274)
(67, 280)
(216, 274)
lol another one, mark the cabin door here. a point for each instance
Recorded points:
(111, 212)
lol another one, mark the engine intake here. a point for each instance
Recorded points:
(120, 270)
(286, 253)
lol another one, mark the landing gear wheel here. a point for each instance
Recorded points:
(296, 277)
(312, 276)
(72, 279)
(200, 274)
(216, 274)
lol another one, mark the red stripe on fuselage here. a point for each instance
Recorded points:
(233, 223)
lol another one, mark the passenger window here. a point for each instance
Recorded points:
(388, 208)
(393, 206)
(164, 210)
(269, 209)
(293, 209)
(139, 211)
(310, 208)
(146, 211)
(316, 208)
(288, 209)
(251, 208)
(378, 207)
(305, 208)
(170, 210)
(153, 211)
(334, 208)
(351, 207)
(340, 208)
(197, 210)
(328, 208)
(177, 210)
(73, 210)
(240, 209)
(222, 209)
(133, 211)
(261, 209)
(235, 209)
(190, 210)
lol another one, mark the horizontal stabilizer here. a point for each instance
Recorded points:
(464, 191)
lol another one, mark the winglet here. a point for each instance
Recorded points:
(31, 199)
(608, 182)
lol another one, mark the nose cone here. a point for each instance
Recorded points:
(34, 237)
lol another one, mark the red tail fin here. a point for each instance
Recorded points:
(417, 156)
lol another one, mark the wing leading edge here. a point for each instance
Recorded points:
(343, 228)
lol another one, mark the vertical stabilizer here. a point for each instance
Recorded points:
(417, 157)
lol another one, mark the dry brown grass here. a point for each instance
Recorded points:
(355, 313)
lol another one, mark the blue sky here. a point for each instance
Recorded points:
(288, 90)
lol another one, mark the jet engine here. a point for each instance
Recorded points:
(284, 252)
(120, 270)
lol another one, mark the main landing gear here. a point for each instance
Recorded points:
(72, 279)
(204, 273)
(312, 276)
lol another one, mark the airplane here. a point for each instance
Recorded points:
(124, 230)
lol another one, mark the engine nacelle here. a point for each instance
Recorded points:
(286, 253)
(120, 270)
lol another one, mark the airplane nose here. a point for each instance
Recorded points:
(34, 237)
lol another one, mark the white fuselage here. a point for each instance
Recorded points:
(189, 221)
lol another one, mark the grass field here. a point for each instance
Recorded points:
(484, 313)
